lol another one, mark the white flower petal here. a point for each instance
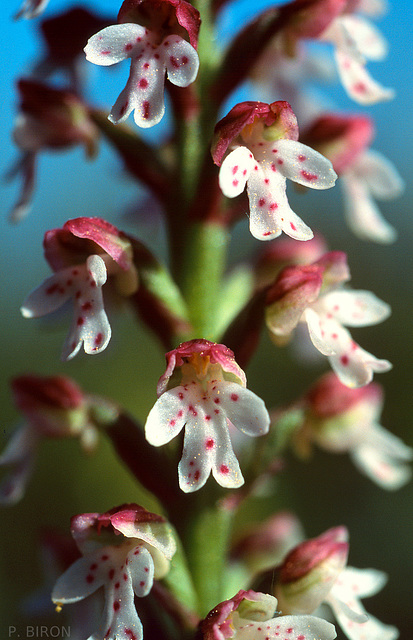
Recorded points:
(355, 366)
(362, 213)
(19, 456)
(355, 308)
(196, 462)
(324, 336)
(141, 569)
(359, 85)
(225, 466)
(303, 165)
(380, 175)
(387, 472)
(245, 410)
(270, 212)
(367, 39)
(235, 171)
(143, 93)
(49, 296)
(115, 43)
(291, 627)
(181, 61)
(167, 417)
(363, 582)
(90, 324)
(83, 577)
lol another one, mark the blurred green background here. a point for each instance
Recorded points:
(325, 492)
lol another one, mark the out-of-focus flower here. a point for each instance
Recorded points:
(339, 420)
(48, 118)
(338, 22)
(250, 614)
(64, 37)
(83, 254)
(315, 572)
(266, 543)
(364, 174)
(203, 390)
(124, 550)
(313, 294)
(54, 407)
(31, 9)
(356, 40)
(154, 34)
(256, 146)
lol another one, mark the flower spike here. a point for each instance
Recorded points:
(153, 51)
(203, 390)
(256, 147)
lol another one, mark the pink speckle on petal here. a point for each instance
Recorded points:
(146, 109)
(142, 583)
(273, 206)
(98, 340)
(143, 83)
(234, 170)
(146, 570)
(360, 87)
(266, 233)
(106, 52)
(180, 414)
(185, 60)
(52, 289)
(111, 574)
(80, 321)
(104, 557)
(128, 46)
(116, 605)
(261, 202)
(146, 65)
(130, 634)
(174, 61)
(86, 306)
(207, 417)
(308, 176)
(209, 444)
(224, 469)
(293, 227)
(280, 161)
(234, 397)
(172, 422)
(89, 578)
(301, 158)
(197, 475)
(344, 360)
(235, 183)
(301, 637)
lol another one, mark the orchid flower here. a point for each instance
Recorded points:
(31, 9)
(203, 390)
(54, 407)
(339, 419)
(154, 50)
(364, 174)
(250, 614)
(256, 145)
(355, 41)
(123, 551)
(48, 119)
(312, 294)
(106, 252)
(315, 572)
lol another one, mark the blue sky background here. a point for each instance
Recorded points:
(67, 186)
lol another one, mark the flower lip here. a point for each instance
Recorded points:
(242, 115)
(200, 353)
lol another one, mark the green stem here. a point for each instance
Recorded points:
(208, 552)
(204, 264)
